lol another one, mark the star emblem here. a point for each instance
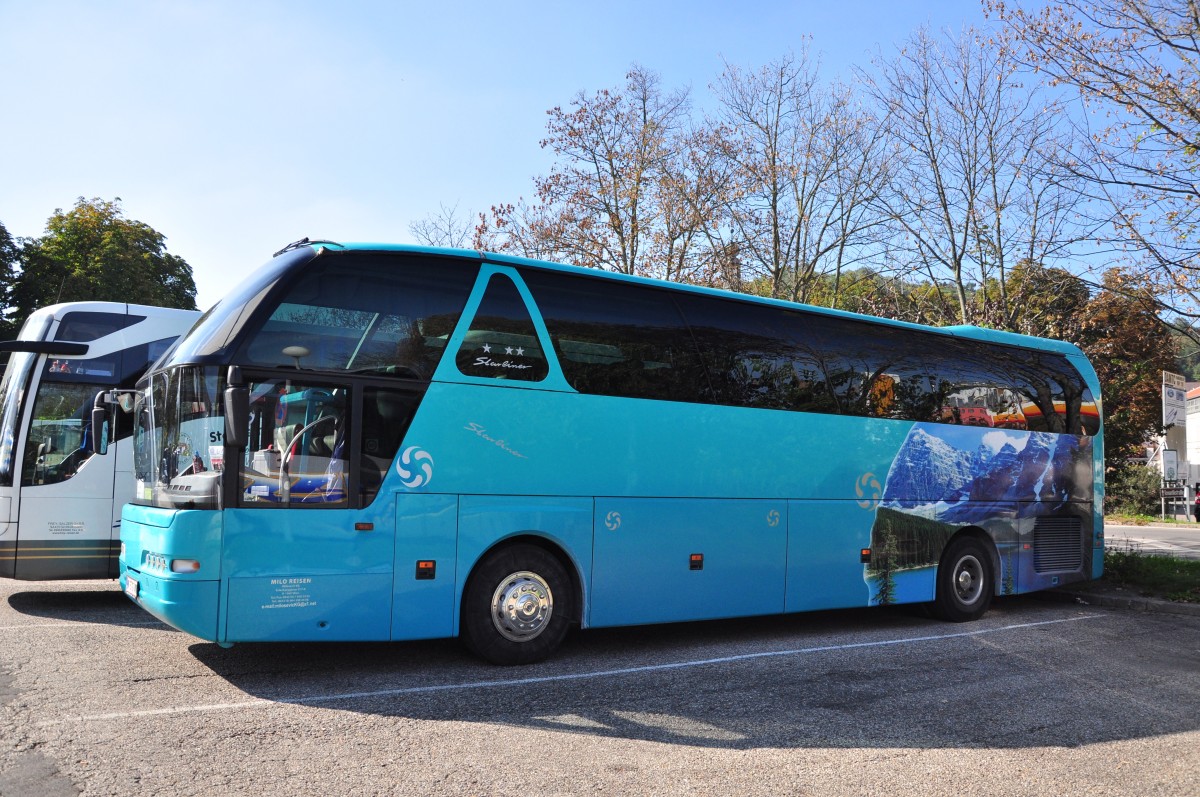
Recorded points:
(487, 348)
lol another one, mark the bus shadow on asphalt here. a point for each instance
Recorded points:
(101, 606)
(791, 681)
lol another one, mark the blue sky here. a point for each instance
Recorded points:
(236, 127)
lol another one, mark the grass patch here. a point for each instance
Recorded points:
(1153, 575)
(1145, 520)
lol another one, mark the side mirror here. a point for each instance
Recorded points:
(237, 416)
(98, 439)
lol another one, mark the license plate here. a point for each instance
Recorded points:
(131, 587)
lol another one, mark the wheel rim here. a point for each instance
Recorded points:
(968, 580)
(522, 606)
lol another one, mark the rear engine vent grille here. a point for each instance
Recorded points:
(1057, 544)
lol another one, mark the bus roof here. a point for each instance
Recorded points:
(960, 331)
(117, 308)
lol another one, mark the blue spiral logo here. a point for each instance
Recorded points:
(415, 467)
(613, 521)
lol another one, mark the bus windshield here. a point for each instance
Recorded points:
(178, 430)
(12, 392)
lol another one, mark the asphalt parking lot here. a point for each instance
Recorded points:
(97, 698)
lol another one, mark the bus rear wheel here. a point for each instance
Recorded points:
(965, 581)
(517, 606)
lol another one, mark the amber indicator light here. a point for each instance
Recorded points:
(364, 526)
(696, 561)
(426, 569)
(866, 556)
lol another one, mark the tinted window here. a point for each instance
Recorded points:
(757, 356)
(502, 342)
(969, 384)
(218, 326)
(618, 339)
(628, 340)
(84, 327)
(367, 313)
(1051, 392)
(118, 368)
(386, 415)
(876, 370)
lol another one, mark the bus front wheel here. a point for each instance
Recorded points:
(517, 606)
(965, 581)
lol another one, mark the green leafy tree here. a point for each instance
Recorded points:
(1187, 350)
(92, 252)
(8, 261)
(1129, 347)
(1046, 302)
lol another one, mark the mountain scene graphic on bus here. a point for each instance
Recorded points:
(947, 477)
(959, 475)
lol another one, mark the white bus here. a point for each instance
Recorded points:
(60, 507)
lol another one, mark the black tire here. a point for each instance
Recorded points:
(518, 606)
(965, 581)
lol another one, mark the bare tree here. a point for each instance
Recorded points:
(520, 228)
(976, 187)
(443, 228)
(694, 239)
(1138, 61)
(799, 152)
(599, 205)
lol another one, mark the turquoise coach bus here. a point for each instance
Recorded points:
(378, 442)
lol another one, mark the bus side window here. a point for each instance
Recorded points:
(971, 390)
(616, 339)
(755, 356)
(873, 370)
(502, 342)
(386, 414)
(298, 445)
(1046, 393)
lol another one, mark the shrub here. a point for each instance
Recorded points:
(1133, 490)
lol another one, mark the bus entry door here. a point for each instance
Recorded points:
(306, 575)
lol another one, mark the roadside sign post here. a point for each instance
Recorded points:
(1173, 492)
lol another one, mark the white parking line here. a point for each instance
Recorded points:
(509, 682)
